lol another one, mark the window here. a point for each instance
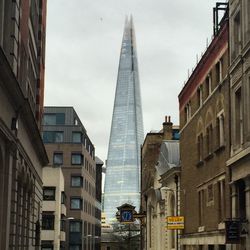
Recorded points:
(58, 159)
(76, 159)
(52, 136)
(200, 147)
(201, 197)
(49, 193)
(76, 181)
(54, 119)
(238, 118)
(76, 137)
(218, 71)
(210, 193)
(75, 203)
(188, 112)
(75, 227)
(220, 130)
(48, 221)
(199, 96)
(222, 200)
(47, 245)
(63, 198)
(236, 45)
(208, 85)
(62, 225)
(209, 138)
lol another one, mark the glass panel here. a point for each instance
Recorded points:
(49, 119)
(48, 137)
(60, 119)
(76, 181)
(49, 194)
(75, 203)
(58, 136)
(76, 159)
(48, 222)
(77, 137)
(75, 226)
(58, 158)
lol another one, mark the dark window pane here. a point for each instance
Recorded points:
(48, 137)
(58, 136)
(75, 227)
(49, 119)
(52, 136)
(76, 181)
(48, 194)
(58, 159)
(63, 198)
(60, 119)
(76, 159)
(76, 137)
(54, 119)
(75, 203)
(48, 221)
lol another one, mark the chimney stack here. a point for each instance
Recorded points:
(168, 128)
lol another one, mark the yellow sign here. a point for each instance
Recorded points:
(175, 222)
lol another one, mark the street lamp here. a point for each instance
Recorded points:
(89, 236)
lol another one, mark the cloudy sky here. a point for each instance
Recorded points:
(82, 55)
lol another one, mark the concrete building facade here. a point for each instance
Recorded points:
(205, 146)
(239, 162)
(69, 147)
(22, 153)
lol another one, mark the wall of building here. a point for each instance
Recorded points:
(205, 146)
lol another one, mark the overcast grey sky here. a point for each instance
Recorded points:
(82, 56)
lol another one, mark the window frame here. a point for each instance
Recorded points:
(48, 216)
(53, 197)
(76, 176)
(77, 154)
(76, 198)
(57, 154)
(78, 133)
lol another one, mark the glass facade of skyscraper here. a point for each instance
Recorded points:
(122, 182)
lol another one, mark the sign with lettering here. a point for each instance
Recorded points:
(175, 222)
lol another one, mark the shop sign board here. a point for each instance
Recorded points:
(175, 222)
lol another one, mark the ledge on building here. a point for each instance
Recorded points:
(219, 149)
(209, 156)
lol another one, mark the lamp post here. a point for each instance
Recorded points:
(89, 237)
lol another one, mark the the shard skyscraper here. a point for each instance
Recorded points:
(122, 182)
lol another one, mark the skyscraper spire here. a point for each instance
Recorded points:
(122, 183)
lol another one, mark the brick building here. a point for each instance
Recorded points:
(205, 147)
(22, 153)
(239, 162)
(69, 147)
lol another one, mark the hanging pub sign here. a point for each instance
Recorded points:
(232, 231)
